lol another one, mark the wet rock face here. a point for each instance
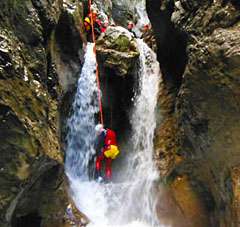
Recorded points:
(104, 10)
(210, 119)
(199, 132)
(171, 42)
(31, 164)
(123, 12)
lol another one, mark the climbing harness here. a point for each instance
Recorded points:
(95, 52)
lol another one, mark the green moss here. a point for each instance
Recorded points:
(122, 43)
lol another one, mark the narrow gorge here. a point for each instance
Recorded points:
(173, 101)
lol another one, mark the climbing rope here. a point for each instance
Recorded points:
(95, 52)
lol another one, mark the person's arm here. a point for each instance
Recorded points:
(97, 29)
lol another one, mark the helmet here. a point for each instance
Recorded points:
(98, 127)
(145, 25)
(130, 23)
(95, 12)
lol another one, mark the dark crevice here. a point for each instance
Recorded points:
(46, 22)
(69, 43)
(235, 3)
(171, 43)
(117, 92)
(68, 39)
(205, 194)
(5, 61)
(29, 220)
(52, 77)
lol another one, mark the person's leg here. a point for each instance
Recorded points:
(98, 162)
(98, 168)
(108, 168)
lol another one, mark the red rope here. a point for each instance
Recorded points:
(95, 52)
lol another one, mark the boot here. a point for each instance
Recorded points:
(99, 177)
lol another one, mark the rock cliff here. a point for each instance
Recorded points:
(197, 142)
(37, 80)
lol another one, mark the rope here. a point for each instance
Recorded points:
(95, 52)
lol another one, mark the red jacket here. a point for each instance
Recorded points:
(110, 139)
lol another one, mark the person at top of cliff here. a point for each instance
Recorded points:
(145, 27)
(130, 27)
(109, 151)
(146, 35)
(89, 19)
(103, 25)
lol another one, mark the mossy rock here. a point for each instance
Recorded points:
(117, 49)
(122, 43)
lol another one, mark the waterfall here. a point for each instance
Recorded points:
(129, 200)
(141, 10)
(81, 136)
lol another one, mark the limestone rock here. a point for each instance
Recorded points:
(117, 49)
(104, 10)
(197, 137)
(123, 12)
(208, 110)
(31, 165)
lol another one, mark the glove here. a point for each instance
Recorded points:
(105, 149)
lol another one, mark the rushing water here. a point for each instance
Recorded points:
(81, 135)
(141, 10)
(129, 201)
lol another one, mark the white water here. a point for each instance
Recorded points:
(130, 201)
(141, 10)
(81, 135)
